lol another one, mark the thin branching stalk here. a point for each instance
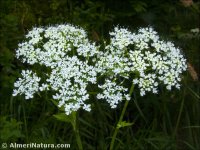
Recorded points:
(120, 119)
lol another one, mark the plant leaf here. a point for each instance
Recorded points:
(124, 124)
(63, 117)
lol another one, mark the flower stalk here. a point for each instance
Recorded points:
(76, 131)
(120, 119)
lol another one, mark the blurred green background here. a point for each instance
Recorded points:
(168, 121)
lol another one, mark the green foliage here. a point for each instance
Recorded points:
(65, 118)
(168, 121)
(10, 130)
(124, 124)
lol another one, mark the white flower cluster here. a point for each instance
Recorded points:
(143, 58)
(113, 93)
(74, 64)
(47, 46)
(28, 84)
(66, 50)
(70, 79)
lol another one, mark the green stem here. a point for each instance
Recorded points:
(25, 123)
(179, 117)
(120, 119)
(76, 130)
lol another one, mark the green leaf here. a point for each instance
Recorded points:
(63, 117)
(124, 124)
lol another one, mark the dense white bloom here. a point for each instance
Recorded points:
(147, 83)
(143, 58)
(70, 79)
(66, 51)
(28, 84)
(113, 93)
(74, 63)
(47, 46)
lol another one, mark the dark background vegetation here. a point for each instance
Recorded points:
(168, 121)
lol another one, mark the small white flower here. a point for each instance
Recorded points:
(113, 93)
(151, 61)
(58, 48)
(74, 63)
(28, 84)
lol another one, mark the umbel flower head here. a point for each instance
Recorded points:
(66, 51)
(74, 64)
(141, 58)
